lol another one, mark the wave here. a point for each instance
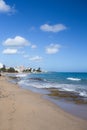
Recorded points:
(21, 75)
(73, 79)
(35, 84)
(61, 87)
(83, 94)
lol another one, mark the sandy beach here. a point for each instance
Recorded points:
(24, 110)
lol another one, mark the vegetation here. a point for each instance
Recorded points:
(30, 70)
(3, 69)
(10, 70)
(38, 70)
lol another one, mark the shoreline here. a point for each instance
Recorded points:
(76, 110)
(70, 102)
(22, 109)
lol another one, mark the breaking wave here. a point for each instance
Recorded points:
(61, 87)
(73, 79)
(20, 75)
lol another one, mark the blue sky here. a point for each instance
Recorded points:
(51, 34)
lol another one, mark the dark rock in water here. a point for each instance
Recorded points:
(39, 79)
(69, 96)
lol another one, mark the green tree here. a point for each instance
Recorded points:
(11, 70)
(3, 69)
(39, 69)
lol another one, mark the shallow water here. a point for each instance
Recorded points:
(79, 110)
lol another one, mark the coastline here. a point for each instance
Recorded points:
(23, 110)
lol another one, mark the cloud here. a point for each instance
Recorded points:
(33, 46)
(36, 58)
(5, 8)
(10, 51)
(53, 28)
(52, 48)
(16, 44)
(17, 41)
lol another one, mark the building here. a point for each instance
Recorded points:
(19, 68)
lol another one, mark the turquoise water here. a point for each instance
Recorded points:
(73, 82)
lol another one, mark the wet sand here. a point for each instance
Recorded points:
(24, 110)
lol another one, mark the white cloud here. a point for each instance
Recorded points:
(53, 28)
(5, 8)
(36, 58)
(17, 41)
(33, 46)
(10, 51)
(52, 48)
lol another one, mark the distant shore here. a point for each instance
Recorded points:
(24, 110)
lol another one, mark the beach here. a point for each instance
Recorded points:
(22, 109)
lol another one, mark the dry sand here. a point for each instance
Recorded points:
(24, 110)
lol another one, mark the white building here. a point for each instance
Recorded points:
(19, 68)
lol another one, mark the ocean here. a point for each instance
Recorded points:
(72, 82)
(67, 89)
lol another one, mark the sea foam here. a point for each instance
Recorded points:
(21, 75)
(73, 79)
(83, 94)
(47, 85)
